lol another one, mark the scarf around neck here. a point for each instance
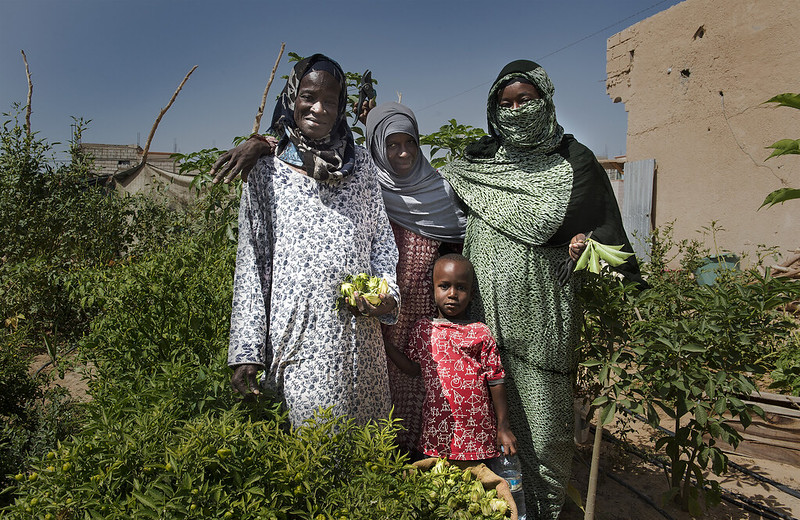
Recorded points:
(422, 201)
(329, 158)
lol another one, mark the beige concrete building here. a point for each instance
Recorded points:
(121, 166)
(115, 158)
(694, 79)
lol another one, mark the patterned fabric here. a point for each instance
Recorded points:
(533, 125)
(517, 197)
(298, 238)
(332, 157)
(537, 327)
(517, 193)
(458, 362)
(415, 279)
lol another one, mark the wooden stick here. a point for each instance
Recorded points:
(161, 114)
(591, 492)
(260, 112)
(789, 273)
(789, 261)
(30, 94)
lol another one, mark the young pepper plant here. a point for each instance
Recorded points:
(687, 351)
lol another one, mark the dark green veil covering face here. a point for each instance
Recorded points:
(541, 187)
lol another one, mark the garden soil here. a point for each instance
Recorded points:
(614, 500)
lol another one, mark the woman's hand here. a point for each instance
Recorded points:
(365, 308)
(242, 159)
(577, 246)
(366, 106)
(244, 380)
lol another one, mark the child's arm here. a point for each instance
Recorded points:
(505, 437)
(400, 360)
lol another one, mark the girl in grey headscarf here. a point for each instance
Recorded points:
(423, 213)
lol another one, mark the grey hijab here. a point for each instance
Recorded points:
(422, 201)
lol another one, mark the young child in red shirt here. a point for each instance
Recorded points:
(464, 412)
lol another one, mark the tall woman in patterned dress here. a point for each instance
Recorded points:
(423, 214)
(532, 192)
(310, 214)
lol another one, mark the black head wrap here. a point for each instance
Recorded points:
(331, 157)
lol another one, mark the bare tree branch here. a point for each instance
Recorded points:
(161, 114)
(30, 94)
(260, 112)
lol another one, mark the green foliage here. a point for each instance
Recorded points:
(172, 305)
(158, 463)
(163, 433)
(452, 139)
(780, 195)
(786, 100)
(783, 147)
(786, 375)
(217, 204)
(31, 418)
(686, 351)
(18, 395)
(55, 221)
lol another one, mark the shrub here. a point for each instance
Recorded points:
(689, 351)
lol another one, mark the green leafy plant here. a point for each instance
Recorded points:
(783, 147)
(786, 375)
(452, 139)
(217, 205)
(685, 352)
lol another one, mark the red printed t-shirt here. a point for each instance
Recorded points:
(458, 362)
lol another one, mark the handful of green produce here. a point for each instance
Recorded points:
(595, 251)
(449, 492)
(370, 287)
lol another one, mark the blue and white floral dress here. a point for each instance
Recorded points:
(298, 239)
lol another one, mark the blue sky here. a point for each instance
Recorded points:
(117, 62)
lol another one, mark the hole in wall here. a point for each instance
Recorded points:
(617, 99)
(685, 73)
(700, 32)
(630, 54)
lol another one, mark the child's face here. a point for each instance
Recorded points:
(452, 288)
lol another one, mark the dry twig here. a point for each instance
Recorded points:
(161, 114)
(30, 94)
(260, 112)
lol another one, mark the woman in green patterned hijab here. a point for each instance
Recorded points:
(532, 193)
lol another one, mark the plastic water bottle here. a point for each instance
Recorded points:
(509, 468)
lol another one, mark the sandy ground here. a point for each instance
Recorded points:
(615, 501)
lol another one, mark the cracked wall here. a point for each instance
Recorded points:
(694, 79)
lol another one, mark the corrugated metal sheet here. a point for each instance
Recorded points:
(637, 207)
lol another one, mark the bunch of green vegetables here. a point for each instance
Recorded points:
(595, 251)
(449, 492)
(370, 287)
